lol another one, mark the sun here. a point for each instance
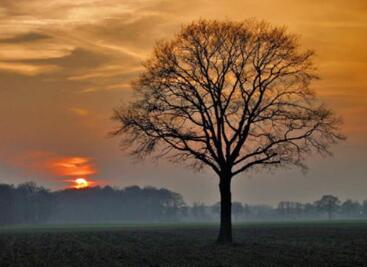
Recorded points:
(80, 183)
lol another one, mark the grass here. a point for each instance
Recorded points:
(338, 243)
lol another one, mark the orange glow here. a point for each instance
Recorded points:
(49, 163)
(73, 166)
(80, 183)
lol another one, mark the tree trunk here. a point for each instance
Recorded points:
(225, 231)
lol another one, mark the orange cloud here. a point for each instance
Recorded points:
(61, 170)
(47, 163)
(72, 166)
(27, 69)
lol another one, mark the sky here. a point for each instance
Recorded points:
(65, 64)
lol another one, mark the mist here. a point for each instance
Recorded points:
(29, 203)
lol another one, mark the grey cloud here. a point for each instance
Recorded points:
(25, 38)
(80, 58)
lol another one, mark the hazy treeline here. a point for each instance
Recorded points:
(327, 207)
(30, 204)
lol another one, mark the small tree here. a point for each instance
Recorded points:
(231, 96)
(329, 204)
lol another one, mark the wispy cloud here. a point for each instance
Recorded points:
(72, 166)
(104, 72)
(25, 38)
(53, 164)
(27, 69)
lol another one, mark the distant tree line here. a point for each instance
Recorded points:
(31, 204)
(25, 203)
(327, 207)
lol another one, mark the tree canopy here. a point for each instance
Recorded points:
(230, 95)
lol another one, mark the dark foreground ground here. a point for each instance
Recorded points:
(291, 244)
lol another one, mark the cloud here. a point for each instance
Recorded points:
(27, 69)
(25, 38)
(72, 166)
(61, 13)
(78, 59)
(105, 72)
(34, 51)
(55, 164)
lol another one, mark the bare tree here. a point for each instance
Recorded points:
(229, 95)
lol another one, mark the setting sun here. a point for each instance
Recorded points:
(80, 183)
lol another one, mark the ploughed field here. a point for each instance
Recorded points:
(267, 244)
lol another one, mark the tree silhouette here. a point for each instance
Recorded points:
(229, 95)
(328, 203)
(351, 208)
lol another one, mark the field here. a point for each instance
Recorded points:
(267, 244)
